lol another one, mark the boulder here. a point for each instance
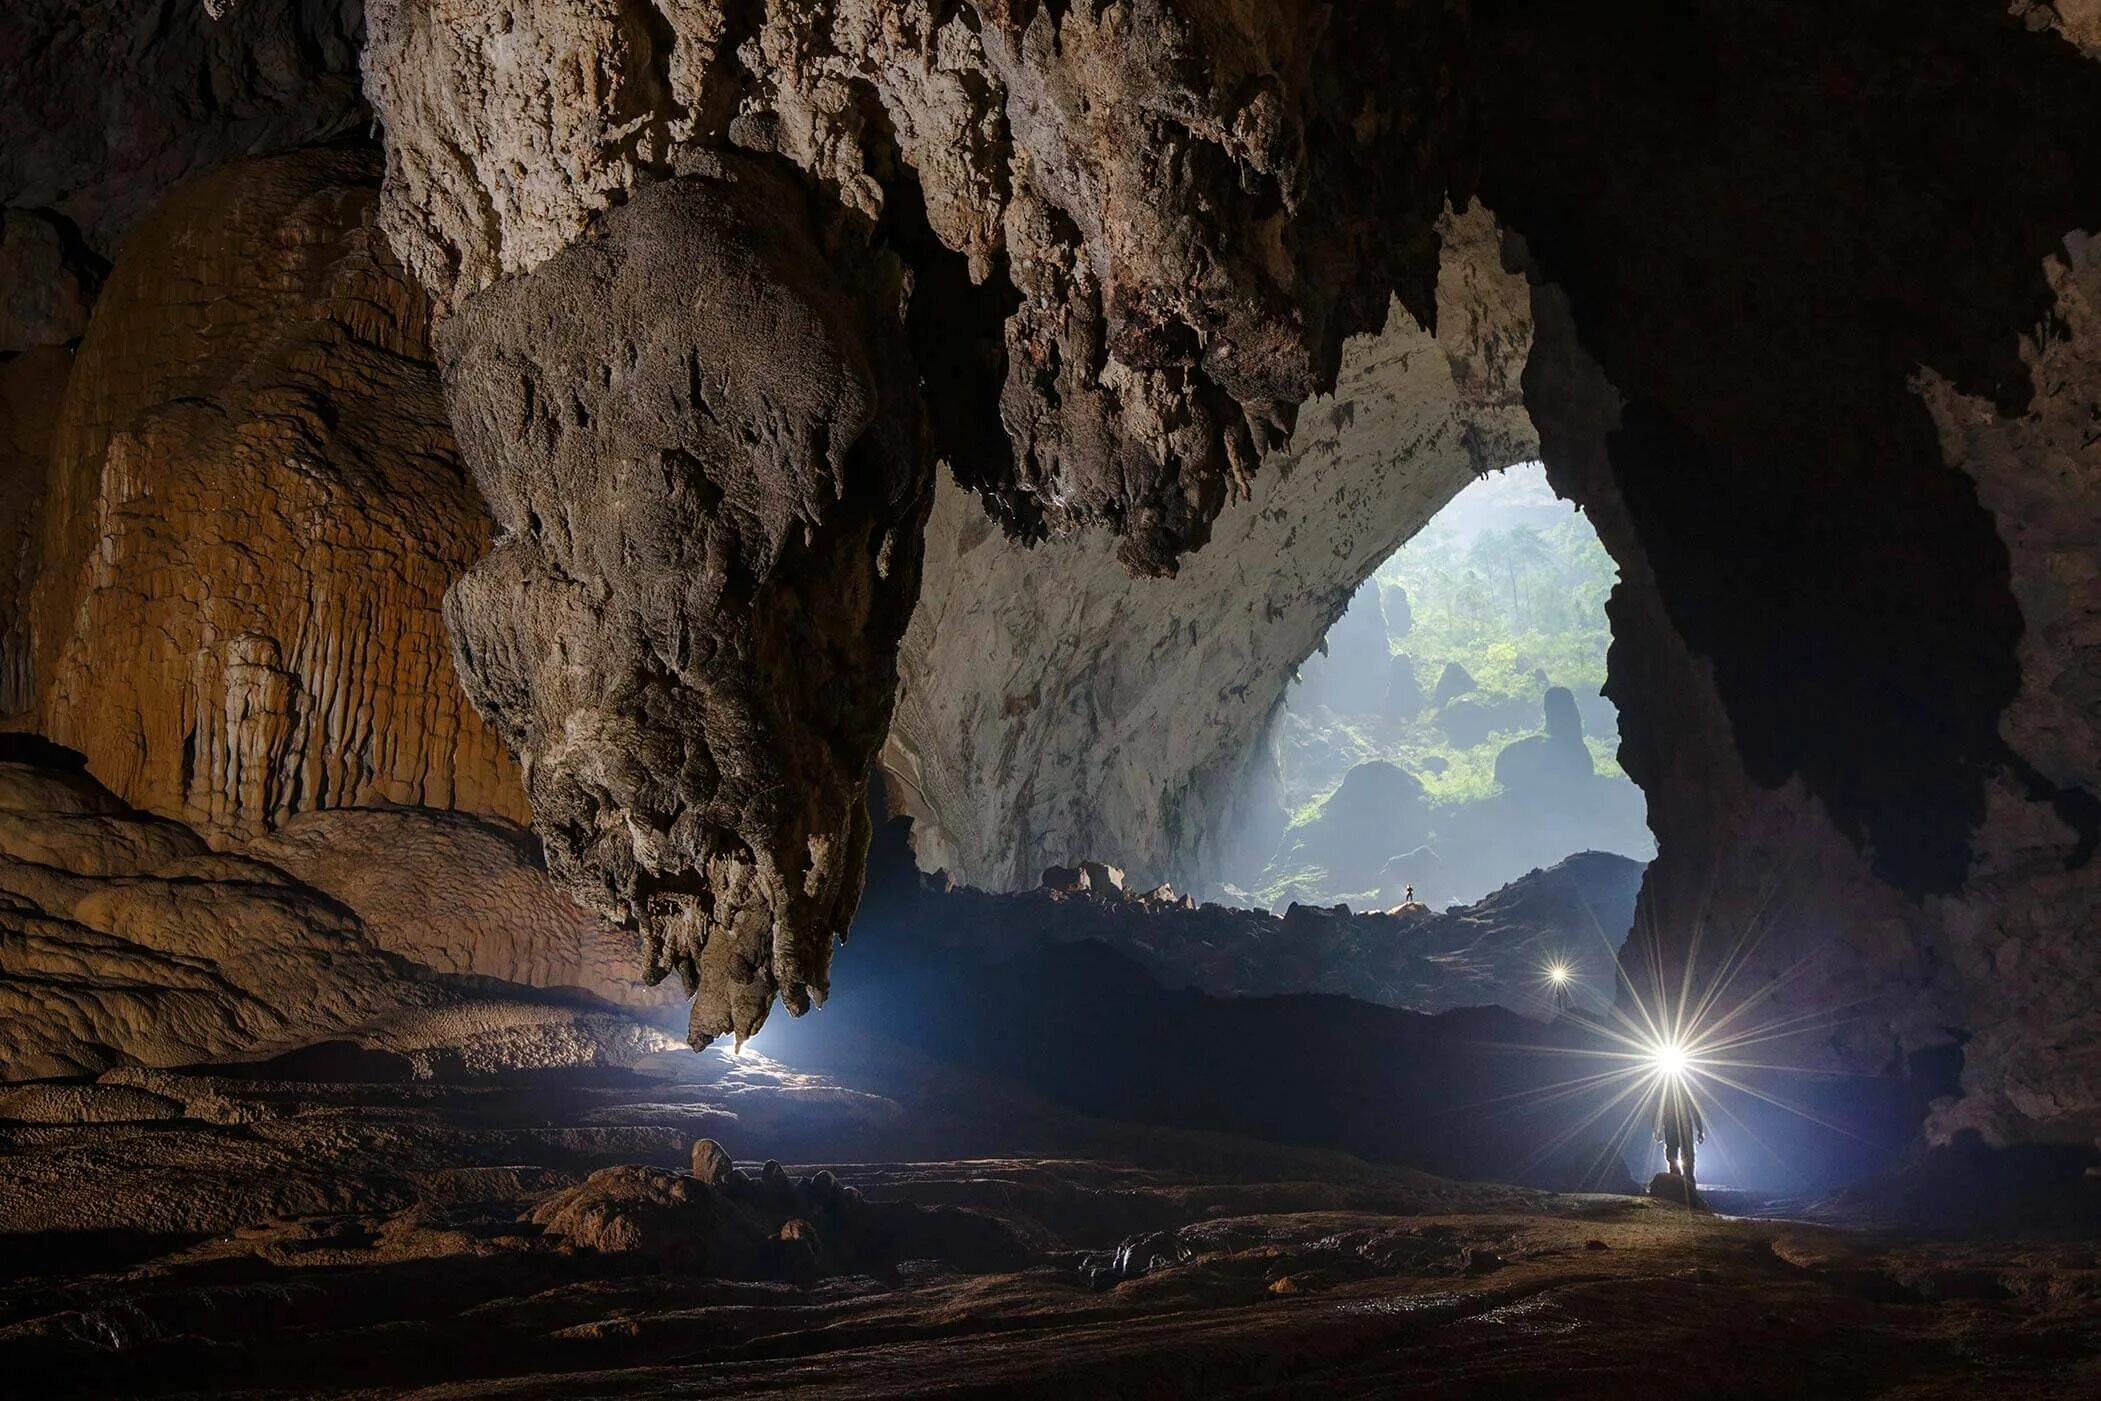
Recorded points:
(1404, 694)
(1103, 879)
(711, 1162)
(1453, 682)
(666, 1217)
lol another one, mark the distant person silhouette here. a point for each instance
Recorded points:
(1407, 896)
(1678, 1127)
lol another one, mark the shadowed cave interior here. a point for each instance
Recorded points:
(1098, 699)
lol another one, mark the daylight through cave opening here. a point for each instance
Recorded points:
(1451, 731)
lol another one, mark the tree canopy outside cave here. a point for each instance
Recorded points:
(1439, 675)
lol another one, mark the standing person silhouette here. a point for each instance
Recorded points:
(1679, 1127)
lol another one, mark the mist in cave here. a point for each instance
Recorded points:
(1450, 734)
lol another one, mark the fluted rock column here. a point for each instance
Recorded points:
(699, 431)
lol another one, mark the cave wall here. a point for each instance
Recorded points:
(1054, 708)
(253, 509)
(110, 104)
(1812, 380)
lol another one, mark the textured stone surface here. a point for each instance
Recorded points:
(255, 509)
(1149, 319)
(32, 385)
(125, 941)
(1054, 708)
(1849, 633)
(2019, 939)
(46, 286)
(2079, 21)
(458, 893)
(110, 103)
(699, 437)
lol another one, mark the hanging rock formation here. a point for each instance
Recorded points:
(699, 436)
(1810, 336)
(1144, 324)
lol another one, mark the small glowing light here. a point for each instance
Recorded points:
(1671, 1059)
(1558, 974)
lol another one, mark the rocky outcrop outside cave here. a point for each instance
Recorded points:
(1574, 914)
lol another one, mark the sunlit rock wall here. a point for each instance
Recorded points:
(1054, 708)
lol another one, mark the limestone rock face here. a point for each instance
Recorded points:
(46, 286)
(254, 510)
(1154, 225)
(700, 439)
(1053, 707)
(32, 385)
(458, 893)
(123, 940)
(109, 104)
(2019, 936)
(1846, 656)
(1546, 766)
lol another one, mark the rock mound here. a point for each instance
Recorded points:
(460, 894)
(771, 1226)
(126, 941)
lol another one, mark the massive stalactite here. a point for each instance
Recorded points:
(699, 434)
(1126, 242)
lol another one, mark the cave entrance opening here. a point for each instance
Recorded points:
(1450, 734)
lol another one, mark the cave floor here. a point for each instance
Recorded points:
(169, 1234)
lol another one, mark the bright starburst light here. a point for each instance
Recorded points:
(1699, 1039)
